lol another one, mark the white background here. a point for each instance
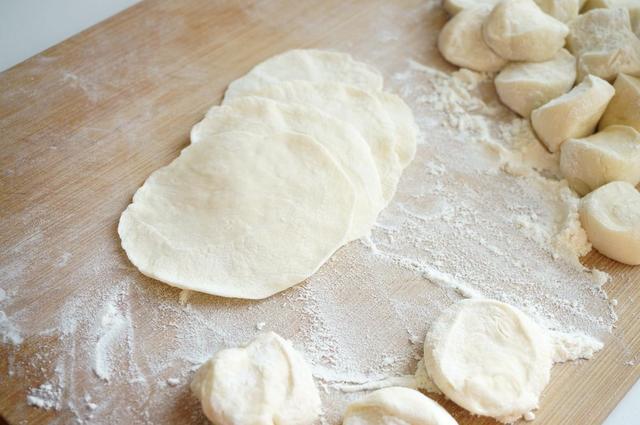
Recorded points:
(28, 27)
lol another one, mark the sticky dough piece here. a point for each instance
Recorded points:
(624, 107)
(265, 116)
(489, 358)
(518, 30)
(395, 406)
(307, 65)
(233, 215)
(461, 42)
(610, 155)
(453, 7)
(604, 44)
(633, 6)
(524, 86)
(563, 10)
(266, 382)
(574, 114)
(357, 107)
(611, 217)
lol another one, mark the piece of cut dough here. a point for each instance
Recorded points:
(461, 42)
(489, 358)
(563, 10)
(525, 86)
(357, 107)
(396, 406)
(611, 217)
(265, 116)
(574, 114)
(610, 155)
(453, 7)
(633, 6)
(604, 44)
(308, 65)
(266, 382)
(518, 30)
(234, 215)
(624, 107)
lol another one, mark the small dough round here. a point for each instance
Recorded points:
(633, 6)
(308, 65)
(453, 7)
(265, 116)
(489, 357)
(610, 155)
(265, 383)
(624, 107)
(563, 10)
(518, 30)
(574, 114)
(396, 406)
(359, 108)
(233, 215)
(525, 86)
(611, 217)
(461, 42)
(604, 44)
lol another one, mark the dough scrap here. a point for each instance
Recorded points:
(359, 108)
(611, 217)
(574, 114)
(633, 6)
(233, 215)
(461, 42)
(610, 155)
(624, 107)
(266, 382)
(309, 65)
(489, 358)
(264, 116)
(525, 86)
(518, 30)
(604, 44)
(563, 10)
(453, 7)
(395, 406)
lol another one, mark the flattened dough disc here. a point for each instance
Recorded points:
(233, 215)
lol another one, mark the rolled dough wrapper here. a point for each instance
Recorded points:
(525, 86)
(234, 215)
(453, 7)
(308, 65)
(611, 217)
(518, 30)
(610, 155)
(574, 114)
(461, 42)
(396, 405)
(624, 107)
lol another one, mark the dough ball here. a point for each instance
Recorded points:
(489, 357)
(233, 215)
(265, 116)
(633, 6)
(574, 114)
(396, 406)
(518, 30)
(453, 7)
(604, 44)
(307, 65)
(624, 107)
(611, 217)
(461, 42)
(524, 86)
(265, 383)
(562, 10)
(362, 109)
(610, 155)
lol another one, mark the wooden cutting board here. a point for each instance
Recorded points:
(85, 122)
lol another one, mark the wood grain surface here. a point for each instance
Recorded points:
(85, 122)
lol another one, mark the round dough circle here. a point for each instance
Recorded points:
(307, 65)
(489, 358)
(233, 216)
(265, 116)
(396, 405)
(266, 382)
